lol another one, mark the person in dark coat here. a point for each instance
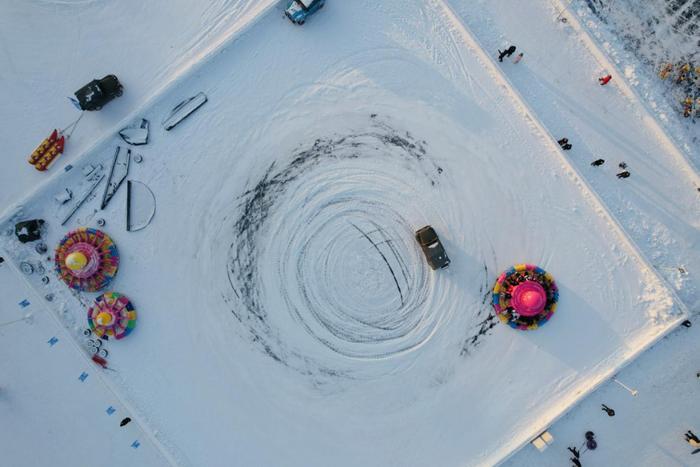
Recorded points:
(574, 451)
(575, 461)
(624, 174)
(598, 162)
(608, 410)
(563, 141)
(506, 53)
(566, 147)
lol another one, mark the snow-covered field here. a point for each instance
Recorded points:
(286, 315)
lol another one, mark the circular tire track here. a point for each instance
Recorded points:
(324, 264)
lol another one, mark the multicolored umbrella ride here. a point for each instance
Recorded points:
(525, 296)
(87, 259)
(112, 315)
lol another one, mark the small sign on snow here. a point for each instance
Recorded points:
(52, 341)
(110, 410)
(135, 444)
(24, 303)
(83, 376)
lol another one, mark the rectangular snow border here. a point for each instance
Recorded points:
(474, 45)
(522, 438)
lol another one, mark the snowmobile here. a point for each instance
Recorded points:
(97, 93)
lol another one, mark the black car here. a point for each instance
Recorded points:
(98, 92)
(432, 247)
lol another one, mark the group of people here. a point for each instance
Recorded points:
(564, 142)
(508, 52)
(565, 145)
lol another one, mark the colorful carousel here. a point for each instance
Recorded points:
(87, 259)
(112, 316)
(525, 296)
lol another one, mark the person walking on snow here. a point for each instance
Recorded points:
(608, 410)
(598, 162)
(518, 57)
(506, 53)
(604, 80)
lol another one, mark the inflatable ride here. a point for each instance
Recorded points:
(112, 315)
(87, 259)
(525, 296)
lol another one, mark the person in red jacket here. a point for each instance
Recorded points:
(604, 80)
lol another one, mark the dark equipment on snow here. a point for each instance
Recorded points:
(622, 165)
(136, 134)
(598, 162)
(576, 462)
(566, 147)
(117, 174)
(125, 421)
(592, 444)
(29, 231)
(26, 268)
(183, 110)
(624, 174)
(589, 435)
(87, 194)
(140, 205)
(98, 92)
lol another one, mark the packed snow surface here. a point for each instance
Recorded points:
(286, 313)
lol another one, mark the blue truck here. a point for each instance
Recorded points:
(298, 10)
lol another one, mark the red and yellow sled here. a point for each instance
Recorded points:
(48, 151)
(51, 147)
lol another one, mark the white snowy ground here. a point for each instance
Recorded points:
(50, 48)
(50, 416)
(647, 430)
(239, 314)
(658, 205)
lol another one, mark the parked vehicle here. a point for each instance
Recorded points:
(97, 93)
(432, 248)
(298, 10)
